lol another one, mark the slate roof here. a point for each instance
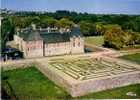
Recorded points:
(30, 35)
(76, 32)
(53, 37)
(34, 35)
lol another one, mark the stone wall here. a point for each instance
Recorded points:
(18, 41)
(57, 48)
(89, 86)
(77, 45)
(84, 87)
(57, 79)
(9, 65)
(34, 49)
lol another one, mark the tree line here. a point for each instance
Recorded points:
(118, 30)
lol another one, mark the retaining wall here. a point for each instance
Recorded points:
(9, 65)
(83, 87)
(89, 86)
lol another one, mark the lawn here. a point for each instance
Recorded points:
(95, 40)
(30, 82)
(132, 57)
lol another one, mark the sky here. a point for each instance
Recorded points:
(89, 6)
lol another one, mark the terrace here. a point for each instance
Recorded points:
(83, 75)
(84, 69)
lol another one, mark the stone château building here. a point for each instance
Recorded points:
(48, 42)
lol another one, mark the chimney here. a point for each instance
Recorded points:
(33, 26)
(48, 29)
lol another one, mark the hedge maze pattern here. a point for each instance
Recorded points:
(84, 69)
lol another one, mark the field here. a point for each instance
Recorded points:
(30, 83)
(95, 40)
(132, 57)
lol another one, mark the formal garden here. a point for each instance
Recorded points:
(90, 68)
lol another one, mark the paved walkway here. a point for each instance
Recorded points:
(103, 52)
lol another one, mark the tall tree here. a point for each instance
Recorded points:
(7, 31)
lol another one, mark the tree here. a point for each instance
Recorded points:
(128, 39)
(114, 37)
(65, 23)
(132, 38)
(52, 22)
(35, 20)
(7, 31)
(88, 29)
(44, 21)
(136, 37)
(19, 21)
(100, 28)
(137, 24)
(48, 22)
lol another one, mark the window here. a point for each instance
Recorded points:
(58, 44)
(34, 47)
(74, 44)
(79, 44)
(46, 45)
(28, 49)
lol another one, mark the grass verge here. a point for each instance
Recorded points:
(95, 40)
(132, 57)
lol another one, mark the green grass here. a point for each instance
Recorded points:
(132, 57)
(131, 47)
(30, 82)
(95, 40)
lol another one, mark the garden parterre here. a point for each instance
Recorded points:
(80, 75)
(90, 68)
